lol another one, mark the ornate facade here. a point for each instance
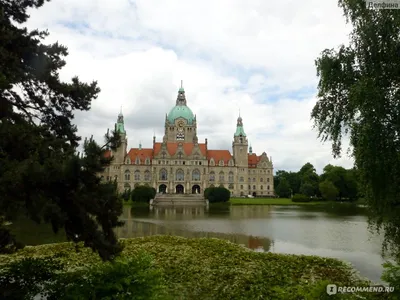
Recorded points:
(180, 164)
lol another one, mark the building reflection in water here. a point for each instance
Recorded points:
(139, 228)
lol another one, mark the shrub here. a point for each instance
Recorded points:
(143, 193)
(127, 278)
(391, 275)
(126, 194)
(300, 198)
(217, 194)
(25, 279)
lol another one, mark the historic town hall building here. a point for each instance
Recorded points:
(181, 164)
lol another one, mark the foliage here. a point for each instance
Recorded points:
(126, 195)
(133, 277)
(226, 271)
(283, 188)
(143, 193)
(128, 278)
(301, 198)
(391, 275)
(309, 180)
(359, 96)
(217, 194)
(24, 279)
(40, 169)
(328, 190)
(344, 181)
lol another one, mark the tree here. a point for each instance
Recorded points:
(344, 181)
(41, 173)
(309, 180)
(143, 193)
(328, 190)
(359, 97)
(283, 189)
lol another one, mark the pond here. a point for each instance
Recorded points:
(339, 231)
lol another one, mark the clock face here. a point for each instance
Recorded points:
(180, 124)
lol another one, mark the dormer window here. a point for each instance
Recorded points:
(221, 163)
(128, 161)
(212, 162)
(147, 161)
(137, 161)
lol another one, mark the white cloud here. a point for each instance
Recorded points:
(254, 55)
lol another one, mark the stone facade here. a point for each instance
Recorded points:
(180, 164)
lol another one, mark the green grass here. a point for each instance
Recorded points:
(270, 201)
(208, 268)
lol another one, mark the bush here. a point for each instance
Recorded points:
(126, 194)
(300, 198)
(128, 278)
(125, 278)
(143, 193)
(217, 194)
(391, 275)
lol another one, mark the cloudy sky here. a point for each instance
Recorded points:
(253, 55)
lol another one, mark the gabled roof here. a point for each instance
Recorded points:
(253, 160)
(172, 147)
(141, 153)
(218, 155)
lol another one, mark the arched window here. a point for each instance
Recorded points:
(241, 186)
(254, 187)
(261, 187)
(241, 179)
(230, 176)
(267, 179)
(180, 175)
(196, 175)
(163, 174)
(127, 175)
(147, 175)
(137, 175)
(262, 179)
(221, 176)
(212, 176)
(231, 186)
(221, 163)
(267, 187)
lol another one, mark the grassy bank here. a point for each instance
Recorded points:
(271, 201)
(215, 269)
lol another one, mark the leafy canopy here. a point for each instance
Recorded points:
(359, 96)
(41, 173)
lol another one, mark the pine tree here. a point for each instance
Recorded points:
(41, 172)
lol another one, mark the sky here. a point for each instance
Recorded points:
(255, 56)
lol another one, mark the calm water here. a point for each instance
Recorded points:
(339, 231)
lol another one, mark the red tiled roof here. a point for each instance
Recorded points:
(253, 160)
(218, 155)
(107, 153)
(141, 153)
(172, 147)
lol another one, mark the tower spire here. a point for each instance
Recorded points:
(181, 84)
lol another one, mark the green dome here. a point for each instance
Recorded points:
(181, 111)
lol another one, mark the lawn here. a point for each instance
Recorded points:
(208, 268)
(270, 201)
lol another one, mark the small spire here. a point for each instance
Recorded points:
(250, 149)
(140, 145)
(239, 112)
(181, 84)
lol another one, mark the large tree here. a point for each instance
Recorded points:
(41, 173)
(359, 96)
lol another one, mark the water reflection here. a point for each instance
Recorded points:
(339, 231)
(133, 229)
